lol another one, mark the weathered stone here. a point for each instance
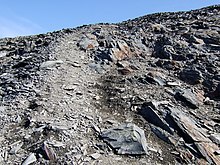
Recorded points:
(152, 78)
(87, 43)
(192, 133)
(215, 138)
(15, 147)
(188, 97)
(2, 54)
(160, 133)
(191, 76)
(48, 152)
(125, 71)
(30, 159)
(120, 52)
(126, 139)
(196, 40)
(50, 64)
(95, 155)
(158, 28)
(148, 111)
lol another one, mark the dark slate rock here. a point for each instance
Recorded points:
(188, 97)
(148, 111)
(191, 76)
(126, 139)
(217, 91)
(160, 133)
(193, 134)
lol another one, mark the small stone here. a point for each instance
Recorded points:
(75, 64)
(95, 156)
(69, 87)
(171, 83)
(96, 128)
(125, 71)
(56, 143)
(152, 149)
(16, 147)
(30, 159)
(215, 138)
(50, 64)
(196, 40)
(77, 157)
(58, 127)
(88, 43)
(217, 152)
(49, 153)
(2, 54)
(88, 117)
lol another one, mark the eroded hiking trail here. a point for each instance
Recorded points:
(145, 91)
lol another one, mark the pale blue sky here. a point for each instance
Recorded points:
(25, 17)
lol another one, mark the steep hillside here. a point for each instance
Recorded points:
(144, 91)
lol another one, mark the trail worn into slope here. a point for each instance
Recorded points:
(145, 91)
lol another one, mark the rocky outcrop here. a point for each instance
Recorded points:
(65, 95)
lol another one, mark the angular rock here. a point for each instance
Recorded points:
(160, 133)
(148, 111)
(188, 97)
(87, 43)
(30, 159)
(16, 147)
(48, 152)
(95, 155)
(125, 71)
(194, 134)
(187, 126)
(120, 51)
(126, 139)
(191, 76)
(49, 64)
(152, 78)
(196, 40)
(215, 138)
(2, 54)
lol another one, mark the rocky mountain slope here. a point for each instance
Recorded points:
(144, 91)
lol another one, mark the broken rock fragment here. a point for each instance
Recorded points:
(189, 97)
(148, 111)
(126, 139)
(194, 134)
(49, 64)
(191, 76)
(88, 42)
(30, 159)
(48, 152)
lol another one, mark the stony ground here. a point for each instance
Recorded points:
(145, 91)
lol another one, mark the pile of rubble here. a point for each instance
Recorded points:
(144, 91)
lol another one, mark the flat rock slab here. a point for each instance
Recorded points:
(49, 64)
(148, 111)
(188, 127)
(189, 97)
(126, 139)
